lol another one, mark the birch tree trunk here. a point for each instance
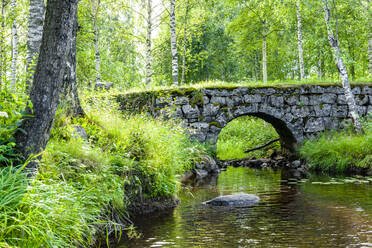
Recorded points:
(48, 78)
(148, 43)
(2, 43)
(35, 33)
(370, 53)
(300, 47)
(174, 42)
(97, 57)
(184, 43)
(71, 94)
(14, 44)
(334, 42)
(264, 55)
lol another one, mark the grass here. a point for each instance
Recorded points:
(339, 152)
(223, 84)
(83, 188)
(244, 133)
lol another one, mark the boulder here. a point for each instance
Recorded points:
(103, 86)
(79, 132)
(234, 200)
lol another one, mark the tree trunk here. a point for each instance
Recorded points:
(264, 58)
(174, 42)
(320, 66)
(97, 56)
(370, 53)
(2, 43)
(184, 43)
(14, 45)
(71, 94)
(300, 47)
(48, 78)
(148, 43)
(35, 33)
(334, 42)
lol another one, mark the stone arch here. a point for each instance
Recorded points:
(286, 133)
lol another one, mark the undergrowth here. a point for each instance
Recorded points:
(245, 133)
(339, 152)
(84, 186)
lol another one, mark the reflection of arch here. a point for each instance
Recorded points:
(287, 139)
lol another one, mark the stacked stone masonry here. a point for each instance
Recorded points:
(296, 112)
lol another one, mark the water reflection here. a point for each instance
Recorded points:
(290, 214)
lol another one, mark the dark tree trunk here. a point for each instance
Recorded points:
(48, 78)
(71, 94)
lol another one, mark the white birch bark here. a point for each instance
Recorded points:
(2, 42)
(97, 57)
(299, 34)
(370, 53)
(148, 43)
(334, 42)
(174, 42)
(14, 45)
(35, 33)
(264, 54)
(184, 43)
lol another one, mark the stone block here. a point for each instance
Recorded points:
(292, 100)
(323, 110)
(339, 111)
(191, 112)
(210, 109)
(356, 90)
(276, 101)
(252, 98)
(219, 100)
(314, 125)
(361, 99)
(181, 100)
(200, 126)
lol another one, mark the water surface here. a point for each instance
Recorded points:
(319, 212)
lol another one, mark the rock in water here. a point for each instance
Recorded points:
(234, 200)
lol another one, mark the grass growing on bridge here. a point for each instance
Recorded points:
(339, 152)
(255, 84)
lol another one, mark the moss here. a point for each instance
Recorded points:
(214, 123)
(197, 98)
(215, 104)
(225, 109)
(321, 106)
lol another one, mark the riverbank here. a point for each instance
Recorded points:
(341, 152)
(90, 178)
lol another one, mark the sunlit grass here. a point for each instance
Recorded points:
(340, 151)
(223, 84)
(246, 133)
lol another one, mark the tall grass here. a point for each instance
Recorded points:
(340, 151)
(245, 133)
(83, 187)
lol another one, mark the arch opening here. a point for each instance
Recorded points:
(252, 130)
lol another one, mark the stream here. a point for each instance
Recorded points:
(321, 211)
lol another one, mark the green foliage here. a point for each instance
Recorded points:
(81, 184)
(245, 133)
(339, 151)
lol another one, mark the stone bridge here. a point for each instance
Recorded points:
(296, 112)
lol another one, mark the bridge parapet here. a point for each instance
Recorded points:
(296, 112)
